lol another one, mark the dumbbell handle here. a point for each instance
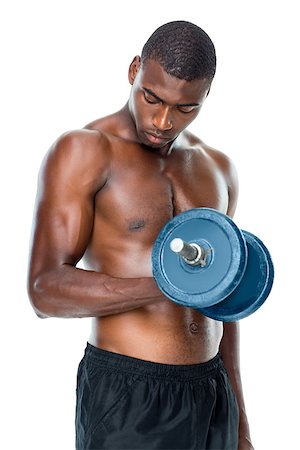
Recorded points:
(191, 253)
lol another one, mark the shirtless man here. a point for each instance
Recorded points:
(155, 375)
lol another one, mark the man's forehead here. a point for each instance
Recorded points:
(154, 77)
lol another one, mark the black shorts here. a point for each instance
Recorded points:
(128, 403)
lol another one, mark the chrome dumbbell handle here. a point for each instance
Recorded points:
(192, 253)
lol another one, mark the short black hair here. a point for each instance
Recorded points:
(183, 49)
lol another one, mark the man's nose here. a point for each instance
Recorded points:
(162, 120)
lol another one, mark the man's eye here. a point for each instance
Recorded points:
(186, 109)
(151, 100)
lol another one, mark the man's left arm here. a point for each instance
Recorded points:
(230, 354)
(230, 344)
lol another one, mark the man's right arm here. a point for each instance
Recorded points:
(74, 170)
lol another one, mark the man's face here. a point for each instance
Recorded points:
(161, 105)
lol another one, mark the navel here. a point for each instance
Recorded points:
(194, 328)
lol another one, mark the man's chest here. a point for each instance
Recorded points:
(154, 191)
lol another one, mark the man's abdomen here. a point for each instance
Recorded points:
(164, 333)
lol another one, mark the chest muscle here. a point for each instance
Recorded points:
(146, 194)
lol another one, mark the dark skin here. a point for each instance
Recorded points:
(104, 194)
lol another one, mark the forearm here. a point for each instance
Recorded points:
(72, 292)
(230, 353)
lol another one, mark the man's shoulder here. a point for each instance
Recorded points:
(81, 144)
(108, 126)
(200, 147)
(219, 163)
(211, 157)
(77, 154)
(79, 140)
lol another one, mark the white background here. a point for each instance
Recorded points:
(64, 64)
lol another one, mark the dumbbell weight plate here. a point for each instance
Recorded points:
(253, 289)
(197, 286)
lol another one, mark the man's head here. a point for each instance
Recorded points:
(183, 49)
(170, 81)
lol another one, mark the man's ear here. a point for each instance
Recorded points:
(134, 68)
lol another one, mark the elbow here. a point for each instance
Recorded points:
(37, 294)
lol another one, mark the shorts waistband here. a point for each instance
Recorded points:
(138, 366)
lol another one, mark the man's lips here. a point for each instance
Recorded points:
(154, 139)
